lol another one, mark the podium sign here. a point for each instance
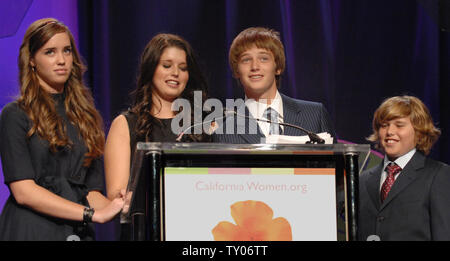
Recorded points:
(207, 191)
(197, 200)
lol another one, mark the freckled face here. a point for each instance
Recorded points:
(397, 137)
(53, 63)
(171, 74)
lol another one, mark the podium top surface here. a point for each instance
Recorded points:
(222, 148)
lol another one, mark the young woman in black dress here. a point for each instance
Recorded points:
(51, 143)
(168, 70)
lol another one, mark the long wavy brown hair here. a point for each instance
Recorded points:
(39, 105)
(143, 94)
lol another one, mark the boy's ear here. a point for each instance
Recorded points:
(278, 72)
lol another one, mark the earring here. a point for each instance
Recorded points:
(33, 69)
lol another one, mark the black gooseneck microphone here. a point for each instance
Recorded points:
(313, 137)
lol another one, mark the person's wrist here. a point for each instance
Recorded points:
(88, 214)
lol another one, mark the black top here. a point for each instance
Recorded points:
(62, 173)
(161, 131)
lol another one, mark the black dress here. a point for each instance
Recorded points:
(62, 173)
(160, 132)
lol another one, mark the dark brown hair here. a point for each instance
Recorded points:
(149, 60)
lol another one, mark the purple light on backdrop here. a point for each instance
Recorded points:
(230, 28)
(288, 32)
(427, 38)
(15, 17)
(102, 72)
(13, 12)
(330, 20)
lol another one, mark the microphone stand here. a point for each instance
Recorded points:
(313, 138)
(180, 136)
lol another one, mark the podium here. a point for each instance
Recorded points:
(213, 191)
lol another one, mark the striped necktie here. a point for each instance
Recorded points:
(392, 169)
(272, 115)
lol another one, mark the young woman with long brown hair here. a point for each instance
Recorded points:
(51, 143)
(168, 70)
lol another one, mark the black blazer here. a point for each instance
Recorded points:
(310, 115)
(416, 208)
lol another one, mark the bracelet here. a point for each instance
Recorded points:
(87, 215)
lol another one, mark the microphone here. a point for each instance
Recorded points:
(180, 136)
(313, 137)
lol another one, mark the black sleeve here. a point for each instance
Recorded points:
(327, 125)
(94, 176)
(14, 152)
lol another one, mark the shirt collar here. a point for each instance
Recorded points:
(402, 160)
(257, 108)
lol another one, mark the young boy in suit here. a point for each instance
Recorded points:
(257, 61)
(407, 196)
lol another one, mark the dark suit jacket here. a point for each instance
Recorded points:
(416, 208)
(309, 115)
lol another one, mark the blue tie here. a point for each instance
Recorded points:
(272, 115)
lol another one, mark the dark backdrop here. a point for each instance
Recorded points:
(349, 55)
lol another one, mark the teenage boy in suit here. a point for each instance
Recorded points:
(257, 60)
(407, 196)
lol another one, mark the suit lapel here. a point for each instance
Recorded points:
(244, 124)
(373, 185)
(290, 115)
(408, 175)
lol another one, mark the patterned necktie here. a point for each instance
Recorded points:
(392, 169)
(272, 115)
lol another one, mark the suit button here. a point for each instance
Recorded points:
(73, 238)
(373, 238)
(380, 219)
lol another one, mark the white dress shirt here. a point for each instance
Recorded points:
(257, 109)
(400, 161)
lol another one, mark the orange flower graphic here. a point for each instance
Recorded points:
(254, 222)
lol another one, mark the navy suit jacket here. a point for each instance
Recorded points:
(416, 208)
(308, 115)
